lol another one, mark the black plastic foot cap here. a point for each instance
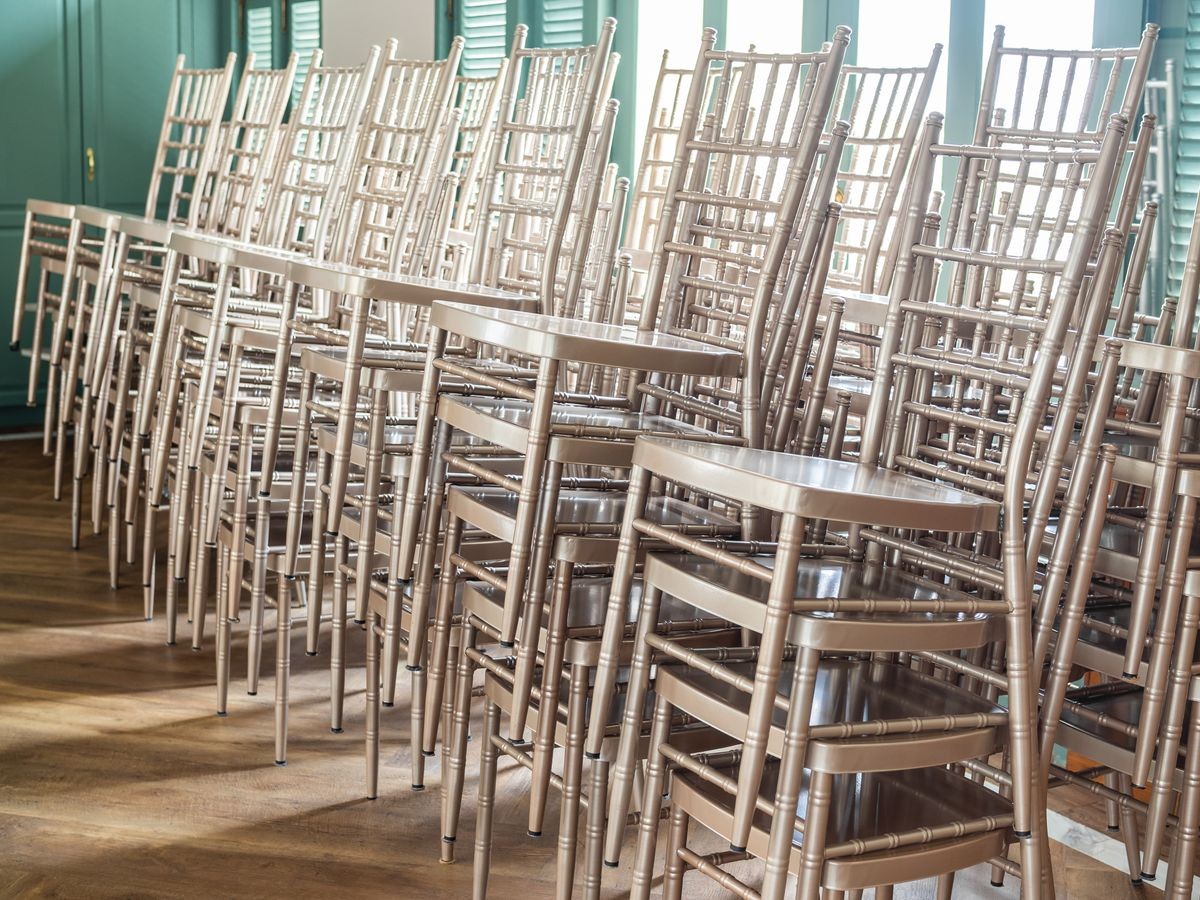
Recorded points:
(388, 705)
(196, 649)
(1114, 829)
(15, 346)
(360, 621)
(418, 787)
(429, 753)
(310, 652)
(533, 833)
(610, 865)
(1023, 835)
(281, 762)
(372, 796)
(447, 840)
(146, 618)
(507, 645)
(736, 849)
(1129, 676)
(997, 884)
(222, 714)
(1148, 876)
(170, 643)
(252, 693)
(337, 730)
(592, 755)
(1136, 882)
(413, 668)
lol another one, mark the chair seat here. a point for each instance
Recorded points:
(587, 608)
(597, 514)
(578, 434)
(866, 806)
(554, 337)
(380, 285)
(724, 592)
(812, 487)
(848, 691)
(1108, 744)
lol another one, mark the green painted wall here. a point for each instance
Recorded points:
(77, 74)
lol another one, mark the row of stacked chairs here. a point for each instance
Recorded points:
(784, 509)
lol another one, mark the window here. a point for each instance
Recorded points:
(671, 25)
(890, 35)
(772, 26)
(1062, 24)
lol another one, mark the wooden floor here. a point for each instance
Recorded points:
(117, 779)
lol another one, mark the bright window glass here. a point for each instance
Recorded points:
(672, 25)
(890, 35)
(1062, 24)
(772, 26)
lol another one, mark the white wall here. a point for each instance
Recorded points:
(349, 27)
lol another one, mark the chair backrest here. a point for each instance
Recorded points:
(479, 101)
(246, 153)
(549, 102)
(1043, 97)
(885, 108)
(965, 380)
(315, 156)
(393, 171)
(191, 122)
(745, 168)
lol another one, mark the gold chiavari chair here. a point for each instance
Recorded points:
(895, 446)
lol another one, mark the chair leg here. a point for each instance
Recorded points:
(486, 802)
(675, 867)
(452, 776)
(224, 633)
(594, 843)
(568, 829)
(337, 646)
(372, 728)
(283, 662)
(652, 799)
(1187, 832)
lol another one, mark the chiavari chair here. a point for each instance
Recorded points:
(528, 203)
(297, 218)
(238, 188)
(408, 294)
(742, 249)
(195, 104)
(894, 446)
(384, 188)
(217, 192)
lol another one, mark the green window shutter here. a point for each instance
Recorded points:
(304, 32)
(1187, 156)
(484, 25)
(260, 34)
(562, 23)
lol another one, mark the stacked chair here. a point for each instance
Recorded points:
(784, 515)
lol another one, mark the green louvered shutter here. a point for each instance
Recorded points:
(484, 25)
(305, 37)
(562, 23)
(1187, 158)
(260, 33)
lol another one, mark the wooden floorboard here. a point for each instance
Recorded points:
(118, 780)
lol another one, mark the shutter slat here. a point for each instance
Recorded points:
(304, 29)
(484, 26)
(1187, 154)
